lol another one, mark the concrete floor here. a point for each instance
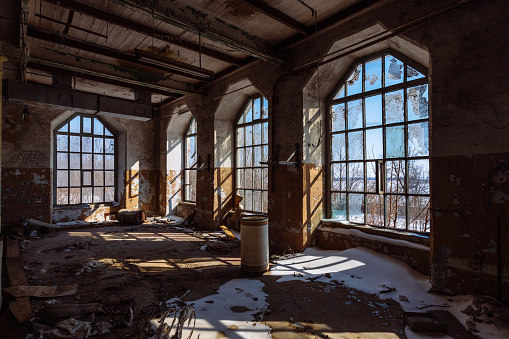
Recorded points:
(150, 264)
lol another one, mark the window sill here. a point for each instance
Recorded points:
(86, 206)
(187, 204)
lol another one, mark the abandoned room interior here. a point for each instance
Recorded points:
(254, 169)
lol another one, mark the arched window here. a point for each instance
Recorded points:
(379, 144)
(252, 148)
(85, 157)
(190, 159)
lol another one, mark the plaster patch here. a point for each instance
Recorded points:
(40, 179)
(455, 179)
(17, 172)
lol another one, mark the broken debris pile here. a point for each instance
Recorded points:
(486, 310)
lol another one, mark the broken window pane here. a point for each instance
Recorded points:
(339, 206)
(396, 211)
(109, 146)
(338, 147)
(86, 195)
(355, 146)
(74, 195)
(74, 178)
(395, 142)
(75, 143)
(62, 161)
(98, 178)
(62, 196)
(86, 144)
(75, 126)
(62, 178)
(339, 177)
(109, 178)
(419, 214)
(98, 127)
(371, 176)
(98, 194)
(86, 161)
(395, 176)
(354, 81)
(356, 208)
(374, 143)
(393, 71)
(87, 178)
(340, 93)
(98, 145)
(412, 74)
(418, 139)
(417, 101)
(375, 210)
(240, 136)
(373, 110)
(356, 177)
(338, 117)
(394, 107)
(354, 114)
(256, 108)
(62, 142)
(418, 176)
(75, 161)
(87, 125)
(373, 74)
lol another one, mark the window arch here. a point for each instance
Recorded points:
(85, 157)
(379, 144)
(251, 149)
(190, 162)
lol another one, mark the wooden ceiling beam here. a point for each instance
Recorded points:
(277, 15)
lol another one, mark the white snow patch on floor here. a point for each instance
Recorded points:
(214, 313)
(372, 272)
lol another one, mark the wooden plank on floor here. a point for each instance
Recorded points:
(16, 272)
(12, 248)
(42, 291)
(21, 309)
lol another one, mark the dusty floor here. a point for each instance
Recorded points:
(146, 265)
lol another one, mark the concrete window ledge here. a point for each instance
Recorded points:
(88, 212)
(410, 248)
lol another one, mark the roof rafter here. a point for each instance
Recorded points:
(278, 16)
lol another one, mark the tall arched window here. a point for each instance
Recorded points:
(379, 144)
(252, 148)
(85, 157)
(190, 165)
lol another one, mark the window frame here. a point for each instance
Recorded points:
(263, 167)
(380, 163)
(113, 136)
(192, 167)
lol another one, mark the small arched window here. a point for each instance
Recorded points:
(85, 157)
(190, 163)
(379, 144)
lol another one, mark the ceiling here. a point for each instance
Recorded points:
(99, 42)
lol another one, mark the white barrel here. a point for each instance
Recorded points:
(254, 243)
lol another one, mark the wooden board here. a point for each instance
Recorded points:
(16, 272)
(21, 309)
(42, 291)
(12, 248)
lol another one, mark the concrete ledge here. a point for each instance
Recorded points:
(411, 249)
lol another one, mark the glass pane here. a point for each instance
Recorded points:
(396, 211)
(265, 133)
(265, 185)
(249, 178)
(340, 93)
(265, 154)
(74, 196)
(109, 178)
(395, 142)
(107, 132)
(419, 214)
(249, 135)
(257, 178)
(375, 210)
(338, 206)
(338, 147)
(75, 125)
(240, 136)
(62, 179)
(257, 104)
(355, 146)
(412, 74)
(62, 197)
(356, 208)
(374, 143)
(109, 162)
(192, 185)
(373, 110)
(193, 125)
(248, 115)
(86, 144)
(98, 178)
(257, 132)
(62, 161)
(395, 176)
(417, 101)
(75, 178)
(249, 156)
(371, 176)
(356, 177)
(75, 143)
(338, 117)
(339, 177)
(75, 161)
(265, 200)
(373, 75)
(62, 142)
(265, 109)
(418, 176)
(241, 179)
(354, 82)
(248, 200)
(87, 178)
(190, 152)
(64, 128)
(86, 195)
(354, 114)
(394, 107)
(86, 161)
(98, 145)
(109, 146)
(393, 71)
(87, 125)
(257, 156)
(257, 201)
(241, 160)
(98, 194)
(109, 194)
(98, 161)
(418, 139)
(98, 128)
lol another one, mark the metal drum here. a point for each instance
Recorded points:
(254, 243)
